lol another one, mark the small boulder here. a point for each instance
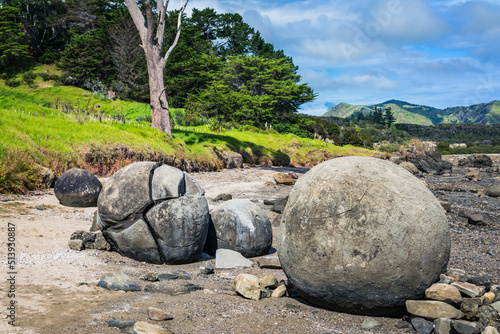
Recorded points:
(465, 327)
(118, 281)
(476, 160)
(493, 191)
(229, 259)
(232, 160)
(279, 205)
(442, 326)
(473, 175)
(283, 178)
(172, 288)
(141, 327)
(409, 167)
(240, 225)
(279, 292)
(467, 289)
(249, 287)
(158, 315)
(422, 326)
(223, 197)
(77, 188)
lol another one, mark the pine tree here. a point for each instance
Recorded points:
(389, 117)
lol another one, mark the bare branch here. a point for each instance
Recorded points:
(179, 26)
(139, 21)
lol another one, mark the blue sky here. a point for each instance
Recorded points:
(441, 53)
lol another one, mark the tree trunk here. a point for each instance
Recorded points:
(160, 117)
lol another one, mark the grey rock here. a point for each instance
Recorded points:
(483, 279)
(141, 327)
(488, 314)
(422, 326)
(174, 274)
(135, 242)
(279, 205)
(428, 161)
(77, 188)
(476, 160)
(442, 326)
(99, 242)
(458, 274)
(118, 281)
(232, 160)
(269, 262)
(344, 236)
(48, 176)
(465, 327)
(154, 213)
(95, 219)
(76, 245)
(150, 277)
(192, 187)
(473, 175)
(239, 225)
(158, 315)
(493, 191)
(467, 289)
(223, 197)
(181, 227)
(207, 269)
(249, 287)
(409, 167)
(369, 323)
(172, 288)
(470, 307)
(476, 219)
(229, 259)
(126, 193)
(490, 330)
(496, 306)
(120, 323)
(168, 182)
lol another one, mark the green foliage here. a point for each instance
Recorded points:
(443, 147)
(253, 90)
(14, 51)
(87, 59)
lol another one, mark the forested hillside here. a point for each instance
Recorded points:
(408, 113)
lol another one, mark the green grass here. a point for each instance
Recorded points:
(34, 132)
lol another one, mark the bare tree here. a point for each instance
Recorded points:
(152, 33)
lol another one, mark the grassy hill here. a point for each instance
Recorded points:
(408, 113)
(58, 127)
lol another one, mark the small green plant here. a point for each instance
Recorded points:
(216, 125)
(29, 78)
(13, 82)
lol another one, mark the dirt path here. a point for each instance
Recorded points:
(56, 292)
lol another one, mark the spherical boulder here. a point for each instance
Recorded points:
(77, 188)
(362, 235)
(154, 213)
(239, 225)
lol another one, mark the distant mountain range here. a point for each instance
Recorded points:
(404, 112)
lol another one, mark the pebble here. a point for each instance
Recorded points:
(370, 322)
(207, 269)
(279, 292)
(118, 281)
(442, 326)
(422, 326)
(468, 289)
(158, 315)
(464, 327)
(141, 327)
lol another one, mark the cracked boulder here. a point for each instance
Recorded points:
(362, 235)
(239, 225)
(154, 213)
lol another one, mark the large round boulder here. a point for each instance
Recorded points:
(77, 188)
(362, 235)
(239, 225)
(154, 213)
